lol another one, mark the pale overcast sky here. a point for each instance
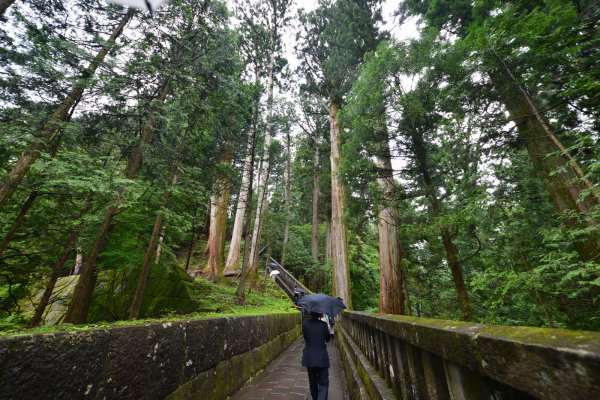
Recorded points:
(399, 32)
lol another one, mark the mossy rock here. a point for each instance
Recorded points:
(169, 290)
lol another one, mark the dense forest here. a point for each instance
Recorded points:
(453, 175)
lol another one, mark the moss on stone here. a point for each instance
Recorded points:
(520, 360)
(230, 375)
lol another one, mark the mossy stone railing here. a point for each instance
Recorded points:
(388, 357)
(196, 359)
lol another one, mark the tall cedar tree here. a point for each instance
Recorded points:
(334, 40)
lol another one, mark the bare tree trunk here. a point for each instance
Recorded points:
(261, 197)
(241, 289)
(236, 237)
(288, 198)
(44, 135)
(54, 275)
(339, 236)
(391, 298)
(161, 240)
(218, 221)
(4, 4)
(82, 295)
(78, 260)
(138, 297)
(564, 179)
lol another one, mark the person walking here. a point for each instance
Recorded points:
(315, 357)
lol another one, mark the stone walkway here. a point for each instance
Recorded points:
(286, 379)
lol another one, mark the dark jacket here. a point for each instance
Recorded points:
(315, 334)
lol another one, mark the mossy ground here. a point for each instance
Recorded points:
(214, 300)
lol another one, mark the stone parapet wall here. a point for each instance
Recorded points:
(196, 359)
(419, 358)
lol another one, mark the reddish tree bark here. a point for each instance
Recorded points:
(391, 297)
(238, 227)
(218, 220)
(262, 189)
(339, 236)
(241, 289)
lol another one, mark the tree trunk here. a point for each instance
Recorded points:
(218, 220)
(238, 227)
(54, 275)
(136, 304)
(4, 4)
(44, 135)
(18, 221)
(391, 298)
(451, 250)
(78, 260)
(191, 249)
(35, 194)
(82, 295)
(314, 236)
(138, 297)
(561, 174)
(408, 303)
(241, 289)
(457, 276)
(161, 240)
(328, 241)
(261, 197)
(288, 199)
(340, 267)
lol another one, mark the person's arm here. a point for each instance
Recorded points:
(327, 335)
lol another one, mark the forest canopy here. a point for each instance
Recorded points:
(451, 175)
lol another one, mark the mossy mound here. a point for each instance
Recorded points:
(169, 291)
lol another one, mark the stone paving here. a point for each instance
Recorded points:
(286, 379)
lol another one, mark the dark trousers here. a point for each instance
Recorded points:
(318, 379)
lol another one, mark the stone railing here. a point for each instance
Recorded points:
(197, 359)
(387, 357)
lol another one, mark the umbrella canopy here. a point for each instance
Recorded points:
(322, 304)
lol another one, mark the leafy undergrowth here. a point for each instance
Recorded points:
(216, 300)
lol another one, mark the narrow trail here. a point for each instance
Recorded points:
(286, 379)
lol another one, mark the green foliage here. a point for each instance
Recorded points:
(364, 274)
(464, 180)
(210, 300)
(335, 38)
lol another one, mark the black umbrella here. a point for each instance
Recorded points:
(322, 304)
